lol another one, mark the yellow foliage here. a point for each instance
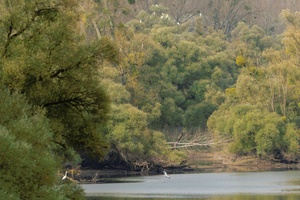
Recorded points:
(255, 71)
(230, 91)
(83, 18)
(240, 61)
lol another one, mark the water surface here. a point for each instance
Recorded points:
(237, 185)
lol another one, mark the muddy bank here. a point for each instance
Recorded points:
(227, 162)
(112, 175)
(198, 162)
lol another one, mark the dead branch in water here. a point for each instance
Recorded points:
(95, 178)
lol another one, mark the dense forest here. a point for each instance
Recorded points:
(107, 81)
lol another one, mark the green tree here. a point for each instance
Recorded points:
(249, 42)
(196, 116)
(258, 131)
(252, 128)
(292, 139)
(260, 113)
(283, 73)
(127, 128)
(132, 53)
(44, 57)
(133, 115)
(181, 68)
(28, 165)
(135, 141)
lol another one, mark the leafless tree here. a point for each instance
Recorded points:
(225, 14)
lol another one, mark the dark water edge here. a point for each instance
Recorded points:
(226, 197)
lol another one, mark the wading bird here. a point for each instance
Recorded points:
(65, 176)
(166, 175)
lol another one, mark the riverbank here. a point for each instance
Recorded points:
(197, 162)
(225, 161)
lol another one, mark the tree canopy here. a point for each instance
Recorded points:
(45, 60)
(77, 83)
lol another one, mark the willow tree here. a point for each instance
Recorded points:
(283, 71)
(248, 43)
(261, 112)
(28, 166)
(44, 58)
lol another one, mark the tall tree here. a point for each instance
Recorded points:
(28, 166)
(44, 58)
(268, 93)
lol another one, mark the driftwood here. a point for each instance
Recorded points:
(196, 142)
(144, 165)
(95, 178)
(72, 180)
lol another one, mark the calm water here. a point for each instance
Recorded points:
(278, 185)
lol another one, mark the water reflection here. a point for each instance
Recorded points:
(279, 185)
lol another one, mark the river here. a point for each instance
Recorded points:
(275, 185)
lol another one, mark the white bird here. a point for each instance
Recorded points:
(166, 175)
(65, 176)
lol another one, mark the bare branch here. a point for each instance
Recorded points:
(196, 142)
